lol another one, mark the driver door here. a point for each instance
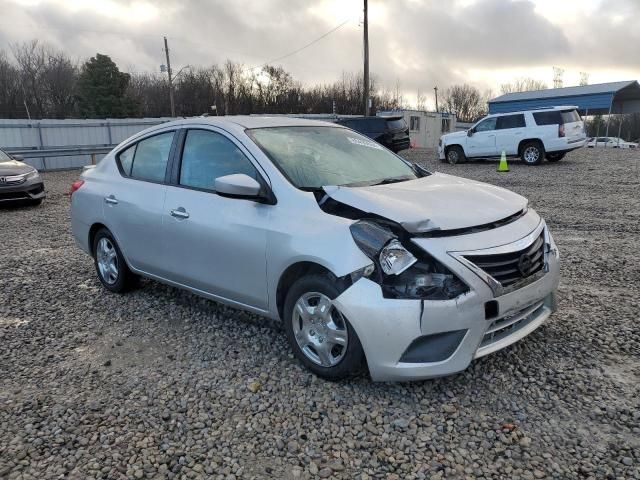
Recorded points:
(213, 243)
(483, 141)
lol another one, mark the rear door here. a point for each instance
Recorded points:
(510, 131)
(133, 203)
(213, 243)
(483, 141)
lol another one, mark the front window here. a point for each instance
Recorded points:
(313, 157)
(210, 155)
(486, 125)
(4, 157)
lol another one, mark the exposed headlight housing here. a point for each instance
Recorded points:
(395, 259)
(399, 272)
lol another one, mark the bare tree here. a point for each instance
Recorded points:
(31, 59)
(11, 96)
(59, 80)
(523, 84)
(466, 101)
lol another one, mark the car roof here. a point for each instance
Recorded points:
(251, 121)
(535, 110)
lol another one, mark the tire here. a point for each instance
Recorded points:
(112, 270)
(315, 349)
(555, 157)
(532, 153)
(36, 202)
(455, 154)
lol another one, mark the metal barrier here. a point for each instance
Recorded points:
(63, 144)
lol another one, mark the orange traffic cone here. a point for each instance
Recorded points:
(502, 166)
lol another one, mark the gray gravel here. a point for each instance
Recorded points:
(161, 384)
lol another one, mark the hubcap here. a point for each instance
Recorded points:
(320, 329)
(107, 260)
(531, 154)
(453, 156)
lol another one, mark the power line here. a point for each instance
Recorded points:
(304, 47)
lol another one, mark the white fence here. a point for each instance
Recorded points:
(34, 135)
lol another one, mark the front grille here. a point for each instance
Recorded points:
(509, 268)
(505, 326)
(5, 182)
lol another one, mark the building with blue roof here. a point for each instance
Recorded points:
(599, 99)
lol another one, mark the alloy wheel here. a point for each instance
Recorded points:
(452, 156)
(320, 329)
(531, 154)
(107, 259)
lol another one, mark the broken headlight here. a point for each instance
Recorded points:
(398, 271)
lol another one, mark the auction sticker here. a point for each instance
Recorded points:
(365, 143)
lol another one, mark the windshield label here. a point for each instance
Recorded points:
(365, 143)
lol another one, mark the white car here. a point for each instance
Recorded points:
(610, 142)
(532, 135)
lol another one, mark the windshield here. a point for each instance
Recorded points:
(4, 157)
(313, 157)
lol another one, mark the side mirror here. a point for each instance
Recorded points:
(470, 132)
(237, 185)
(19, 158)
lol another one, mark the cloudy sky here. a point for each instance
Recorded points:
(414, 43)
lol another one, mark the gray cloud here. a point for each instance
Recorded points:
(420, 44)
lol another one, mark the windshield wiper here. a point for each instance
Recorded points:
(387, 181)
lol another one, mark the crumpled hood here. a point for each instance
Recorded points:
(13, 167)
(435, 202)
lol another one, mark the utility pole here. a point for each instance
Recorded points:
(436, 90)
(366, 58)
(166, 52)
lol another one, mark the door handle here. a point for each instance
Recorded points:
(179, 213)
(111, 200)
(489, 136)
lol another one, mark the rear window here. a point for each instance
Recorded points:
(569, 116)
(548, 118)
(398, 124)
(510, 121)
(368, 125)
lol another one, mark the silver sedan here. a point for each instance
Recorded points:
(371, 262)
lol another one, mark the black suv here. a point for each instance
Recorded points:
(392, 132)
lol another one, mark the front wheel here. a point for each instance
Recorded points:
(455, 155)
(320, 336)
(555, 157)
(532, 153)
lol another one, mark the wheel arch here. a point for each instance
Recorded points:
(292, 273)
(528, 140)
(95, 228)
(448, 147)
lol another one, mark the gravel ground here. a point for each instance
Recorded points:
(161, 384)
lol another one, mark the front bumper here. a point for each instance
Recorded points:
(387, 327)
(29, 190)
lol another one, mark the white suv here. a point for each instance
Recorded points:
(532, 135)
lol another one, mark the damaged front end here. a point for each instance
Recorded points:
(401, 269)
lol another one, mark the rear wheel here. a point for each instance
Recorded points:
(320, 336)
(532, 153)
(111, 267)
(555, 157)
(455, 154)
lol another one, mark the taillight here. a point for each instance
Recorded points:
(561, 130)
(75, 186)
